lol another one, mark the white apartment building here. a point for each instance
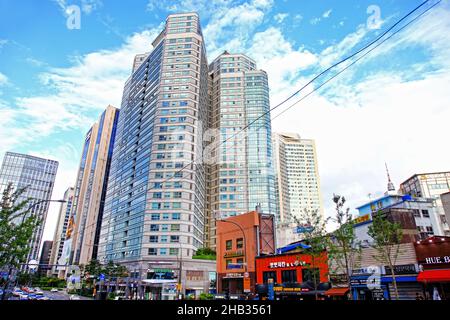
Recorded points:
(297, 182)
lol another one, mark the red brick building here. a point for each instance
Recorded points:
(240, 240)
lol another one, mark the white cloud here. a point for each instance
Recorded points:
(315, 21)
(78, 95)
(279, 59)
(397, 116)
(280, 17)
(387, 119)
(3, 79)
(327, 14)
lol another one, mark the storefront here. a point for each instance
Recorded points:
(376, 283)
(433, 256)
(363, 288)
(293, 276)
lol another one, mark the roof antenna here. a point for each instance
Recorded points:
(390, 184)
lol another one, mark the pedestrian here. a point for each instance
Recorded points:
(419, 296)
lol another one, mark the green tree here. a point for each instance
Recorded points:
(16, 230)
(386, 237)
(344, 249)
(315, 236)
(93, 268)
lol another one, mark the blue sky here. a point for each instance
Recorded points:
(391, 106)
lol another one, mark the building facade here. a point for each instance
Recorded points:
(241, 174)
(38, 175)
(240, 239)
(82, 233)
(297, 183)
(154, 211)
(421, 212)
(292, 275)
(430, 185)
(445, 199)
(60, 231)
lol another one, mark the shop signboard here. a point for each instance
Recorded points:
(431, 255)
(247, 286)
(234, 275)
(402, 269)
(378, 294)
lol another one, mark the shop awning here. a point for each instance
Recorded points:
(434, 276)
(336, 291)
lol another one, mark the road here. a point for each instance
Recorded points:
(61, 295)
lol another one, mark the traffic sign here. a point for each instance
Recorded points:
(33, 264)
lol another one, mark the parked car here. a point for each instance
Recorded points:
(32, 296)
(23, 296)
(74, 297)
(38, 291)
(17, 292)
(54, 290)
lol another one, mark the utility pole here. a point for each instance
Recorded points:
(179, 288)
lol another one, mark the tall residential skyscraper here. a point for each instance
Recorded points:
(61, 229)
(154, 210)
(39, 176)
(298, 183)
(90, 188)
(242, 176)
(430, 185)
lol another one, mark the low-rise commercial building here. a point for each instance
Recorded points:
(240, 240)
(433, 256)
(292, 274)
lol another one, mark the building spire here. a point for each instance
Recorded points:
(390, 184)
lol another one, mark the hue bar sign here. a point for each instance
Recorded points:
(433, 256)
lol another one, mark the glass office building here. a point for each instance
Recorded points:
(242, 176)
(60, 232)
(90, 189)
(38, 175)
(154, 208)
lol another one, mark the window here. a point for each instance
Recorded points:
(425, 214)
(227, 262)
(173, 251)
(176, 216)
(269, 275)
(152, 252)
(163, 251)
(154, 227)
(153, 239)
(416, 213)
(240, 243)
(308, 274)
(174, 239)
(175, 227)
(289, 276)
(155, 216)
(229, 244)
